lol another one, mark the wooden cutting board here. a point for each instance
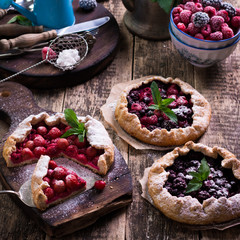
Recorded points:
(47, 76)
(80, 211)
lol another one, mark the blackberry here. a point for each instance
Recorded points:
(214, 3)
(200, 19)
(87, 4)
(229, 8)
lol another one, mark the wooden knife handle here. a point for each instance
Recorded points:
(3, 12)
(13, 30)
(27, 40)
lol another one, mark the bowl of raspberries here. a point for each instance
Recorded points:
(207, 24)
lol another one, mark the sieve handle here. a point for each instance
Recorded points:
(13, 30)
(3, 12)
(26, 40)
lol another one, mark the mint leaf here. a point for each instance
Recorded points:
(198, 177)
(20, 20)
(193, 186)
(167, 101)
(204, 169)
(161, 104)
(157, 99)
(77, 127)
(71, 118)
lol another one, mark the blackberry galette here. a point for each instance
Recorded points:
(43, 135)
(196, 184)
(52, 184)
(163, 112)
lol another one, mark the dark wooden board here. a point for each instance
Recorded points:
(80, 211)
(47, 76)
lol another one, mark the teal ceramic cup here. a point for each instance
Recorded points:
(49, 13)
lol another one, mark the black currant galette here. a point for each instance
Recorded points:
(52, 184)
(163, 112)
(196, 184)
(52, 136)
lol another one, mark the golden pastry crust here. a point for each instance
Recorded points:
(188, 209)
(161, 137)
(96, 135)
(38, 185)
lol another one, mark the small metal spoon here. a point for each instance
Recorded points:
(24, 193)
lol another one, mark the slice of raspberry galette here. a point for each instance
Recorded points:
(163, 112)
(41, 135)
(52, 184)
(196, 184)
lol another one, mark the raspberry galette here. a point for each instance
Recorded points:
(196, 184)
(181, 114)
(52, 184)
(42, 135)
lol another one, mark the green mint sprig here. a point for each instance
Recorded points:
(161, 104)
(198, 177)
(20, 20)
(77, 127)
(167, 5)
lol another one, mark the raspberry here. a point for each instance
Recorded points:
(211, 11)
(100, 185)
(189, 6)
(27, 154)
(173, 104)
(182, 27)
(172, 90)
(39, 141)
(62, 143)
(182, 101)
(199, 35)
(42, 130)
(95, 160)
(214, 3)
(235, 21)
(197, 8)
(87, 4)
(46, 179)
(177, 20)
(59, 173)
(136, 106)
(229, 8)
(216, 36)
(50, 173)
(38, 151)
(216, 22)
(51, 54)
(206, 30)
(224, 14)
(54, 133)
(237, 11)
(91, 152)
(176, 11)
(185, 16)
(192, 29)
(49, 193)
(227, 32)
(224, 25)
(72, 182)
(200, 19)
(52, 150)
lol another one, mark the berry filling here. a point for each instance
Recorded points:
(45, 140)
(220, 182)
(62, 182)
(141, 98)
(213, 19)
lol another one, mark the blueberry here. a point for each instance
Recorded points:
(146, 100)
(134, 95)
(142, 112)
(151, 127)
(202, 195)
(179, 183)
(150, 113)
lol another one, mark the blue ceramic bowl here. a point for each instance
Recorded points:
(202, 57)
(199, 43)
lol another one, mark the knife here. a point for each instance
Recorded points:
(28, 40)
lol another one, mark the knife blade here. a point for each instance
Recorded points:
(28, 40)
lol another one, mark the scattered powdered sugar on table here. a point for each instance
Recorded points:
(68, 57)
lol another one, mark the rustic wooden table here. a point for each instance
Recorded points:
(136, 58)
